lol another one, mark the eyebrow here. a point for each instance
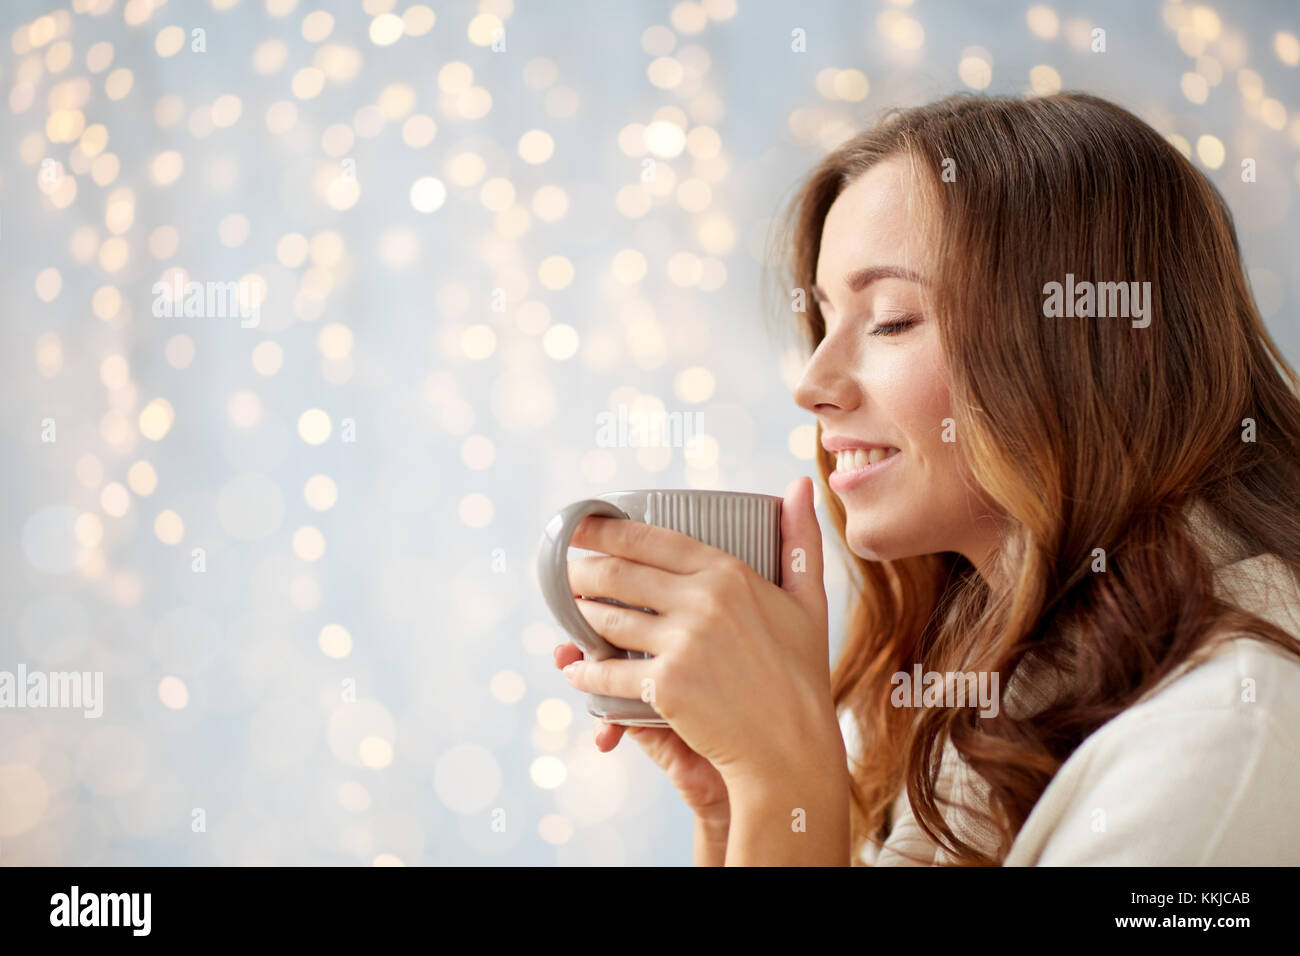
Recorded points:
(859, 280)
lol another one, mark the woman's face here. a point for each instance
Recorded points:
(879, 385)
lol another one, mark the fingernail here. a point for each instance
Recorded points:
(572, 670)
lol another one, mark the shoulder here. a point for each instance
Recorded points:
(1204, 771)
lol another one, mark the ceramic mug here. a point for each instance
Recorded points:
(746, 526)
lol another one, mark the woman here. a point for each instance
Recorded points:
(1065, 456)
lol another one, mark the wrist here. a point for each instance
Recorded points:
(813, 757)
(714, 822)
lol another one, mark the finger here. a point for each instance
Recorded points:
(607, 735)
(625, 627)
(801, 548)
(612, 677)
(565, 654)
(643, 543)
(639, 585)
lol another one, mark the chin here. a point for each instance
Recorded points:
(872, 541)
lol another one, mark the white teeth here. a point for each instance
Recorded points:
(856, 458)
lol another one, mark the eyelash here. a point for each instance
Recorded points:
(893, 328)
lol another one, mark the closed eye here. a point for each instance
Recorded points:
(898, 325)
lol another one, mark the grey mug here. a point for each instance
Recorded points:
(746, 526)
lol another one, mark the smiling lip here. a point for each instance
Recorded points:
(842, 480)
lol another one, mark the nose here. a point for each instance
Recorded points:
(827, 384)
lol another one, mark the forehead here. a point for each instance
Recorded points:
(876, 220)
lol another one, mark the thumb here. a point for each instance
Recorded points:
(801, 548)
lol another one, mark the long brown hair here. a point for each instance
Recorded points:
(1088, 433)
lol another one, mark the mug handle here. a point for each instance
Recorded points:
(553, 575)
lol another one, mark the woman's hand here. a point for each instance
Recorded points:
(741, 666)
(699, 783)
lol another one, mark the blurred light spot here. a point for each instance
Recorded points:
(478, 341)
(89, 530)
(900, 30)
(320, 492)
(695, 384)
(688, 17)
(179, 351)
(555, 829)
(48, 284)
(24, 797)
(163, 242)
(375, 752)
(142, 478)
(629, 266)
(477, 452)
(267, 358)
(1044, 80)
(316, 26)
(1210, 150)
(803, 442)
(1043, 21)
(245, 409)
(664, 139)
(233, 230)
(428, 194)
(851, 85)
(1287, 47)
(476, 510)
(314, 426)
(664, 72)
(536, 146)
(335, 641)
(547, 772)
(560, 342)
(554, 714)
(156, 419)
(49, 354)
(386, 29)
(173, 693)
(166, 167)
(1195, 87)
(555, 272)
(114, 500)
(507, 687)
(113, 371)
(418, 20)
(484, 28)
(335, 341)
(976, 67)
(308, 543)
(550, 203)
(307, 83)
(169, 527)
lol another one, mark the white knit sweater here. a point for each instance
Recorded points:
(1204, 770)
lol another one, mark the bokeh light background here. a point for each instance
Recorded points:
(462, 255)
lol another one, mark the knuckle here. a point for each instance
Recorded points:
(609, 620)
(610, 573)
(638, 533)
(709, 606)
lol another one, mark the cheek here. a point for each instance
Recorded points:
(921, 405)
